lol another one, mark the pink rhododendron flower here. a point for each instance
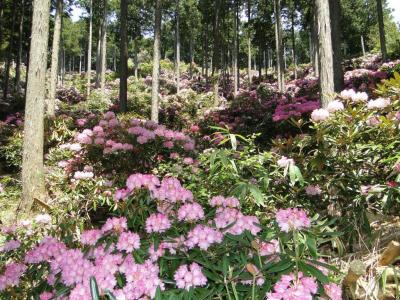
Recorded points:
(285, 162)
(43, 219)
(82, 175)
(333, 291)
(379, 103)
(90, 237)
(191, 212)
(224, 202)
(128, 241)
(188, 276)
(11, 275)
(203, 237)
(10, 245)
(335, 106)
(320, 115)
(313, 190)
(288, 288)
(292, 219)
(115, 224)
(157, 223)
(360, 97)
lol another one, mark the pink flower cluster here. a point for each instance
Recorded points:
(191, 212)
(220, 201)
(11, 275)
(313, 190)
(379, 103)
(320, 115)
(157, 223)
(285, 162)
(128, 241)
(292, 219)
(188, 276)
(291, 288)
(297, 109)
(236, 221)
(10, 246)
(333, 291)
(203, 237)
(270, 249)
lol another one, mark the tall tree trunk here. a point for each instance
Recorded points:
(54, 59)
(191, 50)
(178, 47)
(1, 21)
(326, 77)
(103, 50)
(98, 57)
(249, 42)
(89, 52)
(362, 45)
(32, 164)
(314, 40)
(235, 48)
(293, 41)
(156, 61)
(207, 53)
(381, 24)
(336, 32)
(20, 44)
(80, 64)
(279, 46)
(123, 83)
(216, 63)
(10, 51)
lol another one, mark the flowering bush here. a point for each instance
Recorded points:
(176, 251)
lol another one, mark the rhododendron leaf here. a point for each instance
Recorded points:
(110, 295)
(94, 289)
(61, 292)
(295, 175)
(281, 266)
(313, 271)
(225, 265)
(257, 195)
(233, 141)
(312, 246)
(322, 264)
(158, 294)
(211, 275)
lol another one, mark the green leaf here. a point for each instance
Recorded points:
(94, 289)
(281, 266)
(257, 195)
(312, 246)
(233, 141)
(313, 271)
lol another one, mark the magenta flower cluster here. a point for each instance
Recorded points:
(292, 219)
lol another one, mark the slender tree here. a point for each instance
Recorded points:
(336, 32)
(20, 45)
(216, 58)
(89, 52)
(156, 61)
(326, 76)
(32, 164)
(103, 49)
(235, 48)
(10, 51)
(123, 85)
(279, 46)
(178, 47)
(292, 16)
(54, 59)
(249, 41)
(381, 25)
